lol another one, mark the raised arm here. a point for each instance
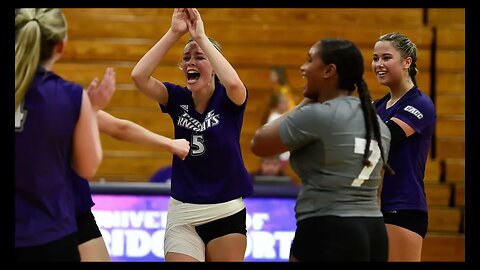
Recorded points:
(142, 72)
(125, 130)
(236, 90)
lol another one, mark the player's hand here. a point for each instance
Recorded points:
(101, 93)
(179, 21)
(180, 147)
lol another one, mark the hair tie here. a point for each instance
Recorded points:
(35, 19)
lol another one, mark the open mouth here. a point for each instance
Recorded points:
(381, 73)
(192, 76)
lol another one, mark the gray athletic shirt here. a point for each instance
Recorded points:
(327, 141)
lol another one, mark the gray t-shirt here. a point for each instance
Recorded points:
(326, 142)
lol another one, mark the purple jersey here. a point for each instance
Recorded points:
(405, 189)
(214, 171)
(44, 127)
(83, 194)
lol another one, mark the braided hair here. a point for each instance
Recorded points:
(350, 68)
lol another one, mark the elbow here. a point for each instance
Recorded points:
(265, 143)
(87, 174)
(235, 85)
(256, 147)
(136, 76)
(255, 151)
(92, 171)
(258, 151)
(89, 169)
(121, 130)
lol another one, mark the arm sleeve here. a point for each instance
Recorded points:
(397, 133)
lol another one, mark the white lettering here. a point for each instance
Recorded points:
(188, 122)
(152, 220)
(414, 111)
(130, 219)
(157, 243)
(264, 245)
(257, 220)
(284, 243)
(140, 234)
(138, 243)
(107, 239)
(136, 218)
(118, 243)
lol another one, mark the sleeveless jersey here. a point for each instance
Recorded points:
(83, 194)
(44, 126)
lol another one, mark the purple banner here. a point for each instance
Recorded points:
(133, 227)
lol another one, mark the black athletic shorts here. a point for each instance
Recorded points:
(413, 220)
(64, 249)
(87, 227)
(235, 223)
(340, 239)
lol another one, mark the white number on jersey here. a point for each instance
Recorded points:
(20, 117)
(374, 157)
(198, 146)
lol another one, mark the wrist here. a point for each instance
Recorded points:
(95, 108)
(201, 38)
(175, 33)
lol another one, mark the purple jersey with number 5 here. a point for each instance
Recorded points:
(213, 171)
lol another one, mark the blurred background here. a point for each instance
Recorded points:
(255, 40)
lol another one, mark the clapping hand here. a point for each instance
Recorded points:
(100, 94)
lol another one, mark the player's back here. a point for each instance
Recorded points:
(44, 128)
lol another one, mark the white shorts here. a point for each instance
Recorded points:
(180, 234)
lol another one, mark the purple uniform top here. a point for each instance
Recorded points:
(213, 171)
(83, 194)
(44, 127)
(405, 190)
